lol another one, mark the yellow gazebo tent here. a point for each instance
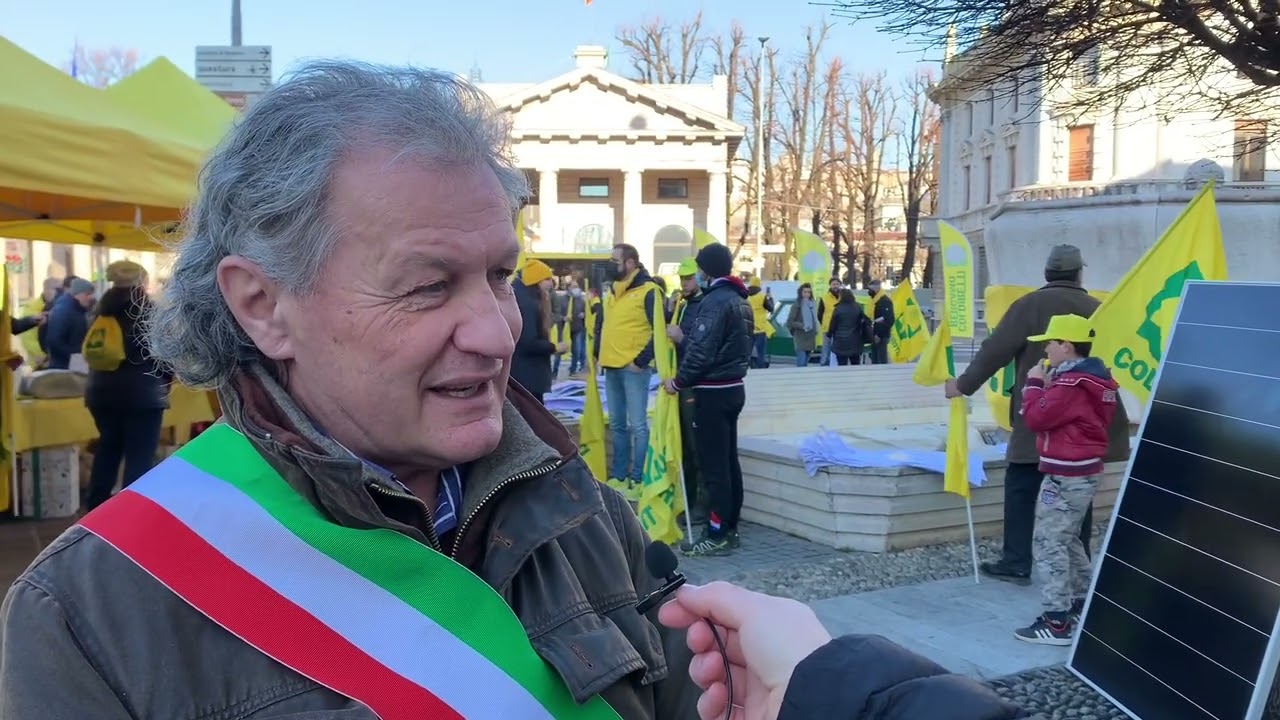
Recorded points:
(75, 166)
(170, 98)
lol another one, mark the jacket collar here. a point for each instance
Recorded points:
(324, 472)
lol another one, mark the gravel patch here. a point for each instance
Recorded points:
(852, 573)
(1057, 695)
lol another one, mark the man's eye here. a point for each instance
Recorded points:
(429, 290)
(503, 274)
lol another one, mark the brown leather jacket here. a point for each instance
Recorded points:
(1029, 315)
(87, 634)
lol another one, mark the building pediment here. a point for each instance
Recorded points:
(593, 102)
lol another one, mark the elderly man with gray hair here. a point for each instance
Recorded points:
(383, 526)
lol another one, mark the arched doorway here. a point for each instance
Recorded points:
(671, 244)
(594, 238)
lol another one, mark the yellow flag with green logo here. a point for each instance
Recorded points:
(813, 258)
(1134, 322)
(937, 365)
(910, 333)
(591, 424)
(702, 238)
(661, 498)
(957, 280)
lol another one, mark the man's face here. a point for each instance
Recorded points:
(403, 351)
(621, 267)
(834, 287)
(85, 299)
(1057, 352)
(874, 288)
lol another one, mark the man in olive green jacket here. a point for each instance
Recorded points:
(1063, 294)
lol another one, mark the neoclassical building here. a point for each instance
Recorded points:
(612, 160)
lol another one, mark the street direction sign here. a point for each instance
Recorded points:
(238, 73)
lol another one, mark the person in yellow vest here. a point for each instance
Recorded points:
(32, 336)
(761, 303)
(826, 306)
(882, 324)
(625, 337)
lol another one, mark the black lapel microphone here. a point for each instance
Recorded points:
(662, 564)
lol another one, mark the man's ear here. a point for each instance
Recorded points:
(254, 300)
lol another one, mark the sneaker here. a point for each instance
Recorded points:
(1047, 631)
(616, 484)
(735, 542)
(707, 546)
(1001, 571)
(631, 491)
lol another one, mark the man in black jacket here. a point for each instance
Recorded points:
(714, 363)
(882, 326)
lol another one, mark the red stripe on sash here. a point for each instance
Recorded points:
(193, 569)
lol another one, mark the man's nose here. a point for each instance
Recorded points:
(486, 325)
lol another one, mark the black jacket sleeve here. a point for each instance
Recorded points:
(650, 303)
(866, 677)
(21, 325)
(703, 344)
(598, 312)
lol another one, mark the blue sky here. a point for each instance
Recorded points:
(511, 40)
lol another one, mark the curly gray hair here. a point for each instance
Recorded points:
(263, 192)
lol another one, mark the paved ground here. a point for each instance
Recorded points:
(762, 549)
(21, 540)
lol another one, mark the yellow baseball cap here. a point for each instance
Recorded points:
(1068, 328)
(755, 281)
(688, 266)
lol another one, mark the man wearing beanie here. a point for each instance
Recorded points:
(1029, 315)
(714, 362)
(68, 323)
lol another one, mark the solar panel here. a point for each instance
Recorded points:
(1181, 621)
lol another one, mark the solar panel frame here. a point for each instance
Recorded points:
(1270, 658)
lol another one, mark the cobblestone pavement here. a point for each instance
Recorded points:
(763, 549)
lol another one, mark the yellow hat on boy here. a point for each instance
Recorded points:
(1067, 328)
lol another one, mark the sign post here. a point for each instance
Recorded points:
(238, 74)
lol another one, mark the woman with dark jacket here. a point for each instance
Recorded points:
(127, 403)
(803, 323)
(531, 364)
(850, 329)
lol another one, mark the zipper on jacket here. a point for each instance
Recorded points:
(427, 521)
(526, 475)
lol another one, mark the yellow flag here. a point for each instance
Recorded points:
(957, 279)
(1135, 320)
(937, 362)
(591, 424)
(813, 257)
(661, 499)
(702, 238)
(956, 477)
(910, 333)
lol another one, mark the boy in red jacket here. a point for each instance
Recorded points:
(1069, 406)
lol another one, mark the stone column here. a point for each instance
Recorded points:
(552, 236)
(717, 203)
(631, 208)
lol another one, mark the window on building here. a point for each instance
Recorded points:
(593, 187)
(1013, 166)
(991, 108)
(673, 188)
(1250, 156)
(968, 119)
(989, 179)
(968, 187)
(1087, 68)
(1017, 93)
(1080, 154)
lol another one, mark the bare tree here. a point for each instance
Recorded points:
(867, 128)
(102, 67)
(660, 53)
(802, 133)
(731, 61)
(918, 137)
(1185, 55)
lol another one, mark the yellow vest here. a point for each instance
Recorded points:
(828, 305)
(31, 339)
(626, 328)
(761, 315)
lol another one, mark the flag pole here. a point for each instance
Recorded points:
(684, 492)
(973, 541)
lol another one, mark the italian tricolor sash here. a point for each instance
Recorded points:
(370, 614)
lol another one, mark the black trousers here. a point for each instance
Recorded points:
(716, 412)
(848, 359)
(1021, 492)
(880, 352)
(689, 446)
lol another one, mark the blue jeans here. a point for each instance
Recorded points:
(826, 351)
(758, 350)
(802, 358)
(578, 352)
(627, 395)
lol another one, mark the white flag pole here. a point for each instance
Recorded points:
(973, 540)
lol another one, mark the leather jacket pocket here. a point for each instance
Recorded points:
(590, 653)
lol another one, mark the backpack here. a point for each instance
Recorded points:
(103, 346)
